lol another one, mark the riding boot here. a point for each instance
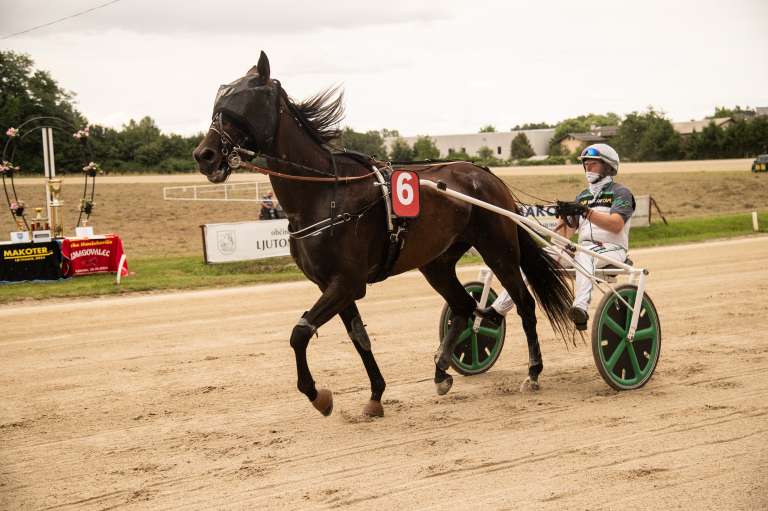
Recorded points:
(490, 314)
(579, 317)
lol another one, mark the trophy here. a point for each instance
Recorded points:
(57, 221)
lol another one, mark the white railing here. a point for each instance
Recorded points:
(230, 192)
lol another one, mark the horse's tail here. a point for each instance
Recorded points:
(548, 280)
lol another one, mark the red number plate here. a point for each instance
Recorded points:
(404, 185)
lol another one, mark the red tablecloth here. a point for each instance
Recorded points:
(95, 254)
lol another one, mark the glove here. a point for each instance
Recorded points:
(564, 209)
(570, 212)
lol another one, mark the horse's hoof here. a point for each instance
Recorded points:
(444, 386)
(324, 402)
(529, 385)
(373, 409)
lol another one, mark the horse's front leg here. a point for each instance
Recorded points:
(336, 297)
(356, 330)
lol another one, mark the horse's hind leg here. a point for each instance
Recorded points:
(441, 275)
(506, 265)
(356, 330)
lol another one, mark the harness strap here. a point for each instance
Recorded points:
(235, 162)
(316, 228)
(335, 189)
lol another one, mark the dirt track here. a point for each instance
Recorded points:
(188, 401)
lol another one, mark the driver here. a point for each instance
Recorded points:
(604, 208)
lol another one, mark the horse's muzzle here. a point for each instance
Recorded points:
(219, 175)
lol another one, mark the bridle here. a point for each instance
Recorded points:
(234, 152)
(234, 155)
(226, 143)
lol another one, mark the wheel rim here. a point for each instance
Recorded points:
(476, 352)
(627, 365)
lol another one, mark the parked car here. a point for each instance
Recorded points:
(760, 164)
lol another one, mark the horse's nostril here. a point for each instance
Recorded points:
(209, 155)
(206, 155)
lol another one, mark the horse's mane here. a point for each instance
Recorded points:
(321, 113)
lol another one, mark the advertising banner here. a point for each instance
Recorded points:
(30, 261)
(545, 215)
(243, 241)
(99, 254)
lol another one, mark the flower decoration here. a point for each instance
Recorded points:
(92, 169)
(11, 132)
(86, 206)
(17, 208)
(7, 168)
(83, 133)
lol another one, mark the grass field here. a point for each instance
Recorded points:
(189, 272)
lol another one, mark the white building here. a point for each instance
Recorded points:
(500, 142)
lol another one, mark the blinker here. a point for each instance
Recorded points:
(252, 106)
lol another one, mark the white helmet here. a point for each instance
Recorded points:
(602, 152)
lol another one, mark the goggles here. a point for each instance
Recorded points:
(590, 152)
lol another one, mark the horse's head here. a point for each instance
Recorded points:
(245, 115)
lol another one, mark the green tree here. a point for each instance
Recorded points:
(401, 151)
(134, 136)
(647, 136)
(370, 142)
(26, 93)
(580, 124)
(532, 126)
(425, 149)
(737, 111)
(705, 144)
(387, 133)
(521, 147)
(485, 156)
(488, 128)
(461, 154)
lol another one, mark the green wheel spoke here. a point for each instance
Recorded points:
(470, 349)
(633, 360)
(610, 323)
(490, 332)
(616, 354)
(646, 333)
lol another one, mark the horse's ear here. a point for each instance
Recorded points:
(263, 66)
(261, 69)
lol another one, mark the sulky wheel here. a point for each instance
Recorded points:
(475, 353)
(624, 365)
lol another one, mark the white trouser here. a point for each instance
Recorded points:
(583, 292)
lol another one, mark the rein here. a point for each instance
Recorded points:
(235, 161)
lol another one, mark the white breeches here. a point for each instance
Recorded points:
(583, 290)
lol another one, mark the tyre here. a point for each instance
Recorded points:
(475, 352)
(622, 364)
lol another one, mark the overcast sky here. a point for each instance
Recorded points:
(430, 67)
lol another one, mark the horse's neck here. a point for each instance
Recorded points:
(295, 145)
(303, 203)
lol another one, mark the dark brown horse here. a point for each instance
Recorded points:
(339, 225)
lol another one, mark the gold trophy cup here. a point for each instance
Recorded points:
(57, 221)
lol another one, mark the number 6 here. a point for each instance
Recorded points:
(404, 189)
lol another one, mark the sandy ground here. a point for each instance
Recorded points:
(188, 401)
